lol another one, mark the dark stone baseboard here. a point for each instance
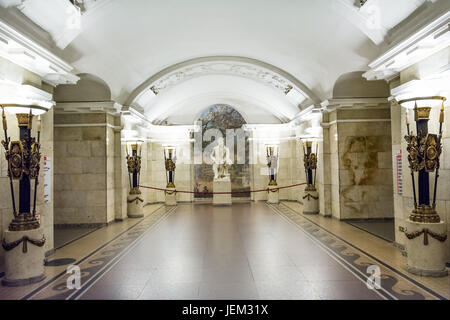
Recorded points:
(81, 225)
(22, 282)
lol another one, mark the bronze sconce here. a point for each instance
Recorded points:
(169, 160)
(134, 166)
(23, 159)
(310, 163)
(272, 163)
(424, 150)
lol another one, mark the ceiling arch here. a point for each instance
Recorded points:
(228, 65)
(272, 92)
(310, 40)
(182, 103)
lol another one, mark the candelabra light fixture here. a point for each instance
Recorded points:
(272, 151)
(424, 150)
(23, 160)
(169, 160)
(134, 155)
(310, 163)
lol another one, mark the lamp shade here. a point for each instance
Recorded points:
(36, 107)
(272, 149)
(431, 101)
(170, 152)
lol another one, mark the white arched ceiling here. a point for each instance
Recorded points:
(126, 42)
(183, 103)
(262, 91)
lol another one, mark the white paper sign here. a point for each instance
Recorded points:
(47, 180)
(398, 161)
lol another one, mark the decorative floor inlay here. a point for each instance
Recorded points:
(59, 262)
(394, 284)
(97, 263)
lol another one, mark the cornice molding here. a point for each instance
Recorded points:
(355, 103)
(109, 107)
(74, 125)
(418, 88)
(328, 124)
(430, 39)
(26, 53)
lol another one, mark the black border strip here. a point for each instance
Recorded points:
(43, 286)
(430, 291)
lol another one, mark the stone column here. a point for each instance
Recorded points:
(360, 158)
(85, 163)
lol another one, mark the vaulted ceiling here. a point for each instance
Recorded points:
(134, 45)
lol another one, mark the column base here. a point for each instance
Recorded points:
(310, 201)
(426, 248)
(171, 197)
(273, 196)
(24, 257)
(135, 204)
(223, 185)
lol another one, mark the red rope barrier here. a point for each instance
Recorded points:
(231, 192)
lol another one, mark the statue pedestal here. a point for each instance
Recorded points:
(273, 195)
(310, 201)
(171, 197)
(426, 259)
(222, 185)
(23, 268)
(135, 204)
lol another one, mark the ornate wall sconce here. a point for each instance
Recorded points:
(311, 196)
(310, 163)
(169, 160)
(135, 202)
(427, 257)
(134, 165)
(272, 154)
(424, 150)
(23, 158)
(272, 163)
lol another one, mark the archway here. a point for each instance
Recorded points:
(223, 120)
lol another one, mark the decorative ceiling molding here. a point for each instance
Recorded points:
(355, 103)
(63, 20)
(237, 69)
(428, 40)
(26, 53)
(223, 65)
(110, 107)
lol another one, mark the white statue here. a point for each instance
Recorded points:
(220, 156)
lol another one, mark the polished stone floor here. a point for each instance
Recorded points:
(246, 251)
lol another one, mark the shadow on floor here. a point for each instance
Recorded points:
(384, 229)
(64, 236)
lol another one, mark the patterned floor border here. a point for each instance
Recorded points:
(394, 284)
(98, 262)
